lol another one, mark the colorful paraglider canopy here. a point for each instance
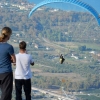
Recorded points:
(75, 2)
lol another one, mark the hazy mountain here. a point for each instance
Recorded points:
(94, 3)
(13, 1)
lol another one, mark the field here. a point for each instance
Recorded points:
(79, 67)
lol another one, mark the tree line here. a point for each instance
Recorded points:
(93, 81)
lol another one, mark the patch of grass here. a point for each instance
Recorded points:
(90, 45)
(86, 97)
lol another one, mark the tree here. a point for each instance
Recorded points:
(82, 48)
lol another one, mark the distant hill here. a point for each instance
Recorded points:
(94, 3)
(55, 25)
(14, 1)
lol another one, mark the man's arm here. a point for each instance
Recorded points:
(31, 60)
(13, 58)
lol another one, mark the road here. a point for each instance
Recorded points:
(60, 97)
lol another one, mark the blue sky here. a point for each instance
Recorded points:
(94, 3)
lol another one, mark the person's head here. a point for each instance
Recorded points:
(22, 45)
(5, 34)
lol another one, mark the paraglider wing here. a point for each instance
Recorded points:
(75, 2)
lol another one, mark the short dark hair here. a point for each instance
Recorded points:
(22, 45)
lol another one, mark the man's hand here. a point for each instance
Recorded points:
(32, 63)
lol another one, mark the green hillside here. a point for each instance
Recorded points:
(48, 34)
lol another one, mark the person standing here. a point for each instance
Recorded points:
(7, 56)
(23, 72)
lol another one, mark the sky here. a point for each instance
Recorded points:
(94, 3)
